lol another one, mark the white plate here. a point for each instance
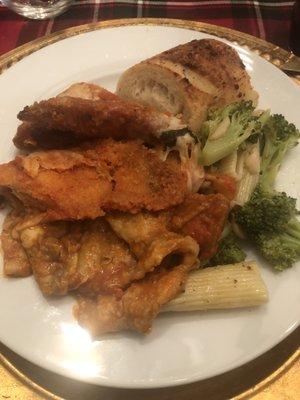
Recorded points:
(181, 347)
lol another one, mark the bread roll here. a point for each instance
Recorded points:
(188, 80)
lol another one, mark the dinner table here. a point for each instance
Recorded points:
(274, 375)
(268, 20)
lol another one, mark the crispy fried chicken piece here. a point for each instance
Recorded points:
(15, 259)
(203, 218)
(29, 136)
(62, 184)
(84, 112)
(140, 179)
(85, 255)
(138, 307)
(84, 183)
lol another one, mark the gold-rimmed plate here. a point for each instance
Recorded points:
(181, 348)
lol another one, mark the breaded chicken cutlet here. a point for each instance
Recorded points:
(86, 182)
(84, 112)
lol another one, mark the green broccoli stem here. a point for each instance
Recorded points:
(271, 161)
(291, 242)
(215, 150)
(226, 231)
(264, 117)
(293, 228)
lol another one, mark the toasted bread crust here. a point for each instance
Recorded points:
(188, 80)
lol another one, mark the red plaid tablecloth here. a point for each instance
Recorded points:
(266, 19)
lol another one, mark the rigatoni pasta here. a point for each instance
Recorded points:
(222, 287)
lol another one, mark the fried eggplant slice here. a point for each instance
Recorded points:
(165, 256)
(137, 308)
(15, 260)
(87, 255)
(151, 241)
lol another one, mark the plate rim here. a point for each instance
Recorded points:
(270, 52)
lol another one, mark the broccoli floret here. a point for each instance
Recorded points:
(216, 116)
(268, 220)
(226, 129)
(265, 212)
(281, 250)
(278, 137)
(229, 252)
(258, 130)
(277, 252)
